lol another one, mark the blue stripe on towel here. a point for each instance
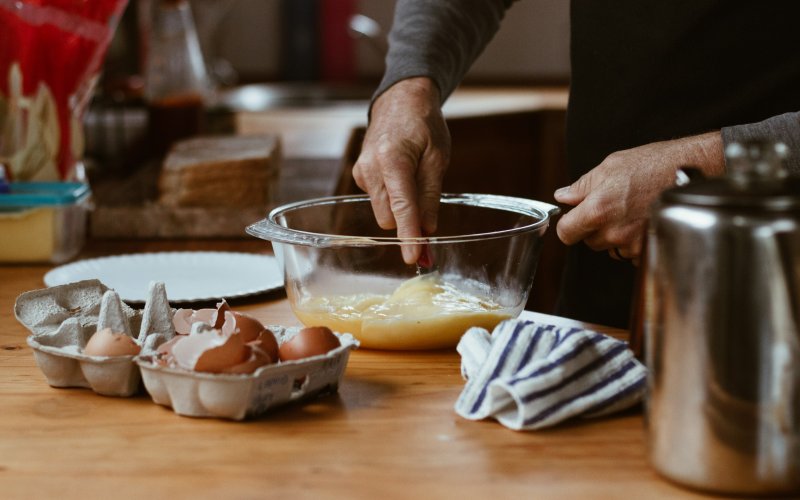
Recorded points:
(581, 346)
(526, 357)
(617, 397)
(631, 364)
(595, 364)
(500, 363)
(570, 333)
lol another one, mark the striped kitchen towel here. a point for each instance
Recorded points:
(529, 375)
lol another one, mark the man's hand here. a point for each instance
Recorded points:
(612, 201)
(403, 159)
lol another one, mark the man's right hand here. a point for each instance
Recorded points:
(403, 159)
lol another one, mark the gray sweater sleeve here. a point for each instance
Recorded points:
(439, 39)
(782, 128)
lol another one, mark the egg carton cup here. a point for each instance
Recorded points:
(61, 320)
(240, 396)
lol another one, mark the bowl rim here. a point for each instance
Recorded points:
(270, 229)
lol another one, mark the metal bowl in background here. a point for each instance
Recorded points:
(265, 96)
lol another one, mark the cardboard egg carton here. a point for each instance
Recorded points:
(61, 320)
(239, 396)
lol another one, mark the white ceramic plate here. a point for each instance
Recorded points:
(188, 276)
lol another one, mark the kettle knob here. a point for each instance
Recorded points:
(756, 161)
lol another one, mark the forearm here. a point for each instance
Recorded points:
(782, 128)
(439, 39)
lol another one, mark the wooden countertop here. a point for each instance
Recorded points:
(390, 432)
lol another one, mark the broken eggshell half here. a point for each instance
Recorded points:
(218, 341)
(185, 318)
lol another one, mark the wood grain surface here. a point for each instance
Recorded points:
(390, 432)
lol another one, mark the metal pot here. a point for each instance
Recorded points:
(722, 327)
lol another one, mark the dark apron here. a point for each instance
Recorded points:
(653, 70)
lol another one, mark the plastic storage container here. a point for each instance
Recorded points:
(42, 221)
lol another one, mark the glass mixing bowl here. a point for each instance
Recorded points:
(343, 271)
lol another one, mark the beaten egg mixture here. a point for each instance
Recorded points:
(424, 312)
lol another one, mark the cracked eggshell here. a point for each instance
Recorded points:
(238, 396)
(185, 318)
(255, 360)
(247, 326)
(182, 321)
(267, 342)
(253, 332)
(61, 320)
(208, 350)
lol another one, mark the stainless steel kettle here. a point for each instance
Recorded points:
(721, 292)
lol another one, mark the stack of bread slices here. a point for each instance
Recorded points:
(220, 171)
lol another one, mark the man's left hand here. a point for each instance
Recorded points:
(612, 201)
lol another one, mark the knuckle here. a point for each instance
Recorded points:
(430, 193)
(596, 214)
(383, 217)
(613, 158)
(364, 175)
(401, 206)
(440, 159)
(359, 175)
(565, 234)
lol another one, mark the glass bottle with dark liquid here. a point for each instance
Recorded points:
(171, 119)
(176, 82)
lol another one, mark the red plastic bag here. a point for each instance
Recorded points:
(50, 56)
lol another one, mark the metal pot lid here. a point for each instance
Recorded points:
(756, 179)
(773, 195)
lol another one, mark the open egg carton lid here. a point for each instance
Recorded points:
(63, 318)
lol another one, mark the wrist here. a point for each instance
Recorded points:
(413, 92)
(707, 153)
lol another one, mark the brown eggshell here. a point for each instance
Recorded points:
(257, 359)
(218, 317)
(247, 326)
(107, 343)
(310, 341)
(267, 342)
(210, 351)
(184, 318)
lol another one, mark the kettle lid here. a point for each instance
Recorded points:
(756, 178)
